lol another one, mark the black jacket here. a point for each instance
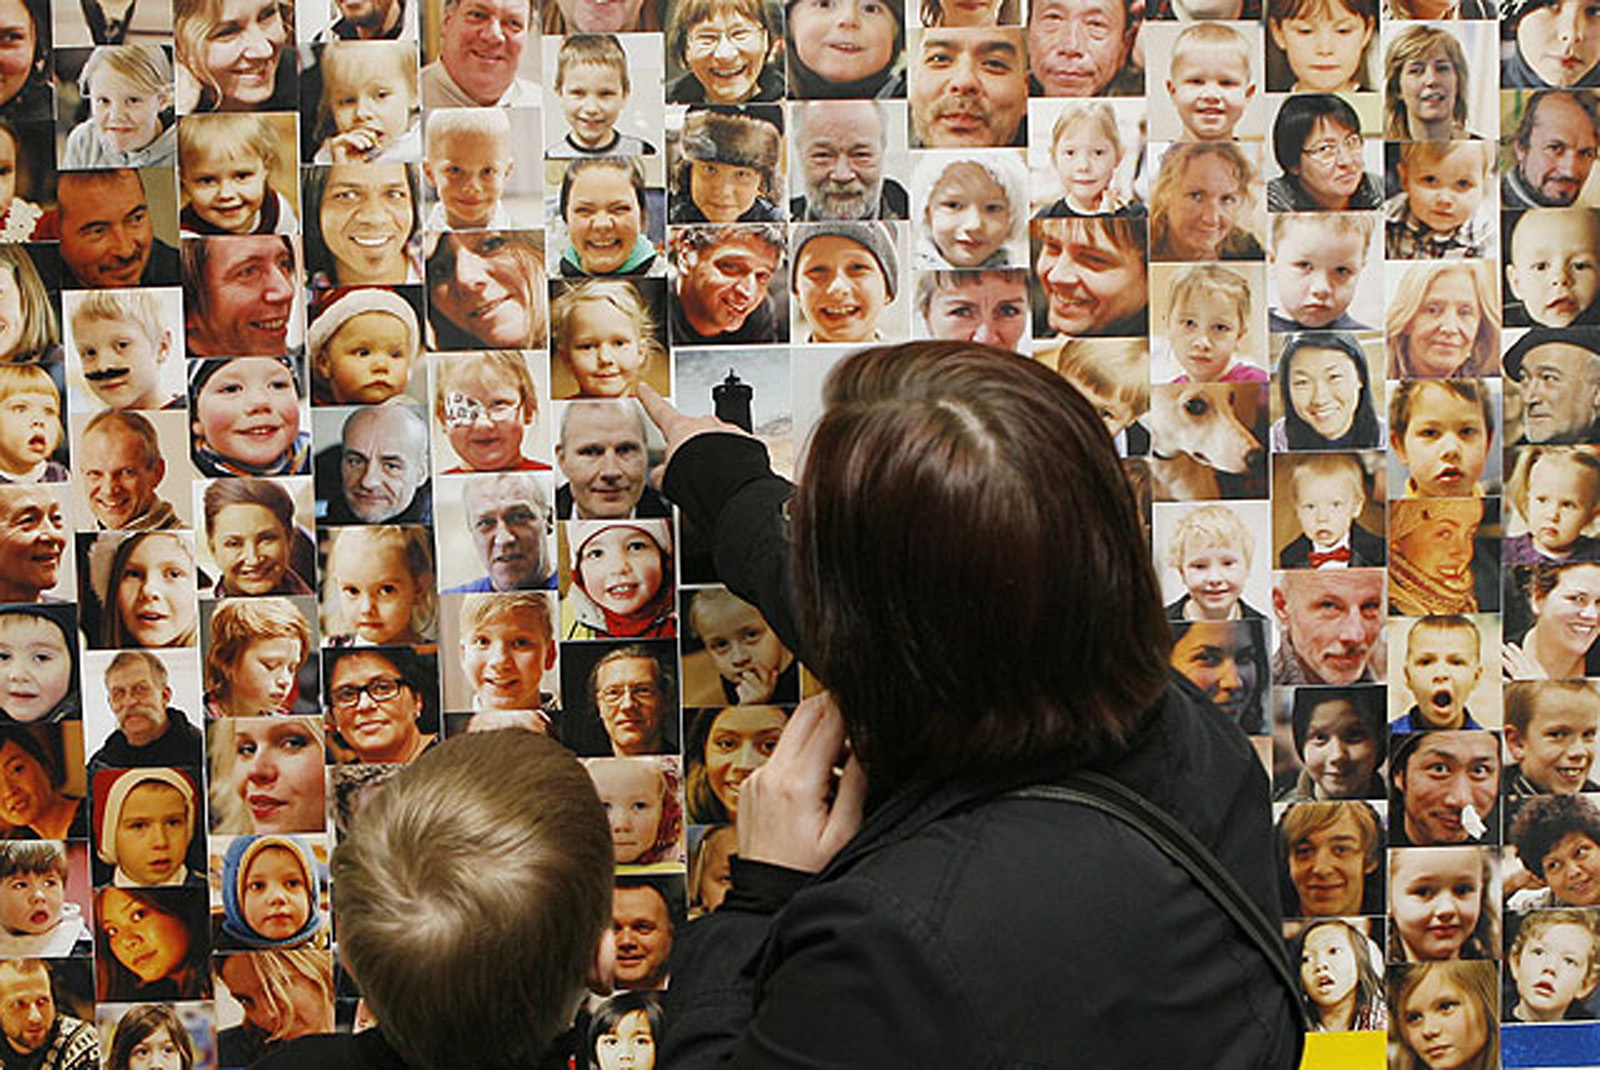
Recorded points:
(179, 745)
(963, 928)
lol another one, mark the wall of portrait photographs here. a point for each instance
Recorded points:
(320, 327)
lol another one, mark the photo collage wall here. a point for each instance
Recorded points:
(320, 328)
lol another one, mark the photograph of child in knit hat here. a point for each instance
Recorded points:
(592, 109)
(643, 798)
(727, 166)
(37, 917)
(1083, 156)
(1557, 44)
(272, 893)
(606, 337)
(617, 580)
(39, 663)
(486, 408)
(1212, 323)
(246, 417)
(974, 212)
(144, 823)
(121, 351)
(378, 586)
(731, 655)
(128, 90)
(1444, 556)
(845, 281)
(236, 174)
(364, 347)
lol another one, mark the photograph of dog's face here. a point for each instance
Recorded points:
(1206, 440)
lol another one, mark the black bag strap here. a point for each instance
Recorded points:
(1100, 792)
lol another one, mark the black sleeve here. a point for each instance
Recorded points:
(726, 486)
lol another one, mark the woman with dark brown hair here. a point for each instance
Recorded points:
(964, 569)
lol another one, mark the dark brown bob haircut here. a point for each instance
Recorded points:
(970, 570)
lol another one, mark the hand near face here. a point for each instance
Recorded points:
(786, 817)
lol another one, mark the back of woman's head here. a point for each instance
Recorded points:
(970, 569)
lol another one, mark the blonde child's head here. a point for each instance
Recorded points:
(1210, 549)
(1208, 315)
(129, 88)
(363, 345)
(1210, 79)
(486, 402)
(1316, 260)
(369, 91)
(1445, 181)
(746, 651)
(1557, 491)
(379, 585)
(1328, 492)
(33, 879)
(1112, 374)
(1086, 147)
(604, 331)
(1422, 998)
(38, 334)
(592, 82)
(640, 796)
(225, 164)
(973, 208)
(257, 647)
(30, 417)
(467, 159)
(121, 344)
(1555, 961)
(507, 645)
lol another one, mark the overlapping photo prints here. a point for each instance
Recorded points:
(320, 333)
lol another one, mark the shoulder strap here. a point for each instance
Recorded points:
(1100, 792)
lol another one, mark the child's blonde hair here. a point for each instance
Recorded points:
(145, 67)
(596, 49)
(1538, 922)
(1215, 35)
(1357, 224)
(467, 122)
(238, 622)
(622, 296)
(484, 607)
(1119, 367)
(1215, 525)
(1312, 465)
(1211, 279)
(27, 379)
(339, 64)
(1415, 154)
(1582, 457)
(227, 133)
(506, 364)
(1096, 114)
(414, 546)
(136, 307)
(280, 972)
